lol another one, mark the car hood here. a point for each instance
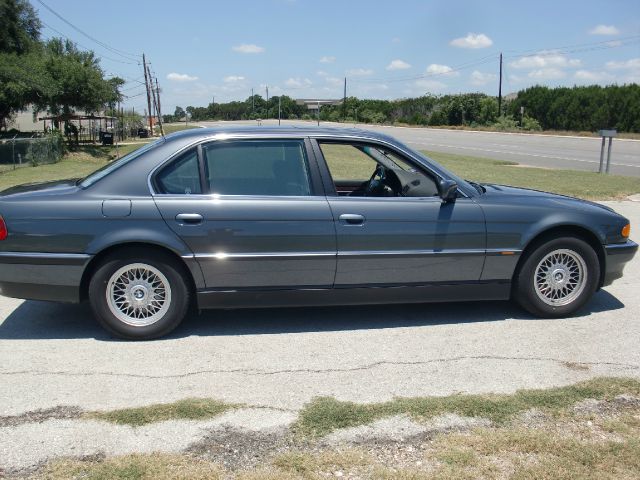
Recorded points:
(509, 192)
(56, 187)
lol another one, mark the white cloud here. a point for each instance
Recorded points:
(334, 81)
(591, 76)
(248, 48)
(233, 79)
(297, 82)
(322, 73)
(444, 70)
(545, 59)
(430, 85)
(631, 64)
(359, 72)
(628, 69)
(479, 78)
(547, 74)
(472, 40)
(604, 30)
(398, 65)
(327, 59)
(181, 77)
(395, 40)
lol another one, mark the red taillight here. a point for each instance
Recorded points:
(3, 229)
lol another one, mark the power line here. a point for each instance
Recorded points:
(121, 53)
(87, 48)
(601, 45)
(463, 66)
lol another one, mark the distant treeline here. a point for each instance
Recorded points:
(578, 108)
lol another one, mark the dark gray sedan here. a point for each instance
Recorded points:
(248, 217)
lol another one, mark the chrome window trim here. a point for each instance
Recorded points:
(393, 146)
(214, 138)
(243, 136)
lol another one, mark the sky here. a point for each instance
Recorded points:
(201, 51)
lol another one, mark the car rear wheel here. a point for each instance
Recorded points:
(557, 278)
(139, 297)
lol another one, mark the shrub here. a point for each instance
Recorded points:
(531, 124)
(505, 123)
(48, 149)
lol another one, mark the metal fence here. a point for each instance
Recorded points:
(16, 152)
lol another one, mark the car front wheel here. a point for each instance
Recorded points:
(558, 277)
(139, 297)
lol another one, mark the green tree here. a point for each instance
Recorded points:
(19, 26)
(21, 74)
(77, 81)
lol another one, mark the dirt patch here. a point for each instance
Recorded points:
(39, 416)
(620, 403)
(235, 448)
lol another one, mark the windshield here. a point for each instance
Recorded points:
(110, 167)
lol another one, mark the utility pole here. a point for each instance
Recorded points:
(153, 92)
(318, 113)
(500, 89)
(252, 102)
(159, 109)
(344, 101)
(279, 109)
(267, 101)
(146, 84)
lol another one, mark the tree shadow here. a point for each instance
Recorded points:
(43, 320)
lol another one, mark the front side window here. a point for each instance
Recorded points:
(181, 176)
(257, 167)
(363, 170)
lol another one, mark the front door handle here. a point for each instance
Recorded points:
(351, 219)
(189, 218)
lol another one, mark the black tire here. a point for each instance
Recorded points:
(579, 255)
(173, 301)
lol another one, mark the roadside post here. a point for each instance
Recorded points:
(606, 134)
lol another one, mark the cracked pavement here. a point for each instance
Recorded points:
(55, 355)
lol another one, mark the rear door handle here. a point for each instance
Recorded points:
(351, 219)
(189, 218)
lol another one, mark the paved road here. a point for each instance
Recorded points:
(54, 355)
(579, 153)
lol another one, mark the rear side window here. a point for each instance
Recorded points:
(181, 176)
(258, 167)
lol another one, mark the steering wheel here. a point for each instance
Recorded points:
(373, 186)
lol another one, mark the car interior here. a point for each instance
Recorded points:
(371, 171)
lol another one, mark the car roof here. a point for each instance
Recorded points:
(262, 131)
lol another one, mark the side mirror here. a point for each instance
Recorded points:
(448, 190)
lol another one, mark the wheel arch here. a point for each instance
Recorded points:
(99, 257)
(566, 230)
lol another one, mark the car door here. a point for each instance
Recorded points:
(398, 240)
(253, 213)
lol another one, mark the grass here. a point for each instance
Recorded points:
(76, 164)
(188, 409)
(324, 415)
(138, 467)
(485, 128)
(580, 184)
(566, 445)
(176, 127)
(588, 185)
